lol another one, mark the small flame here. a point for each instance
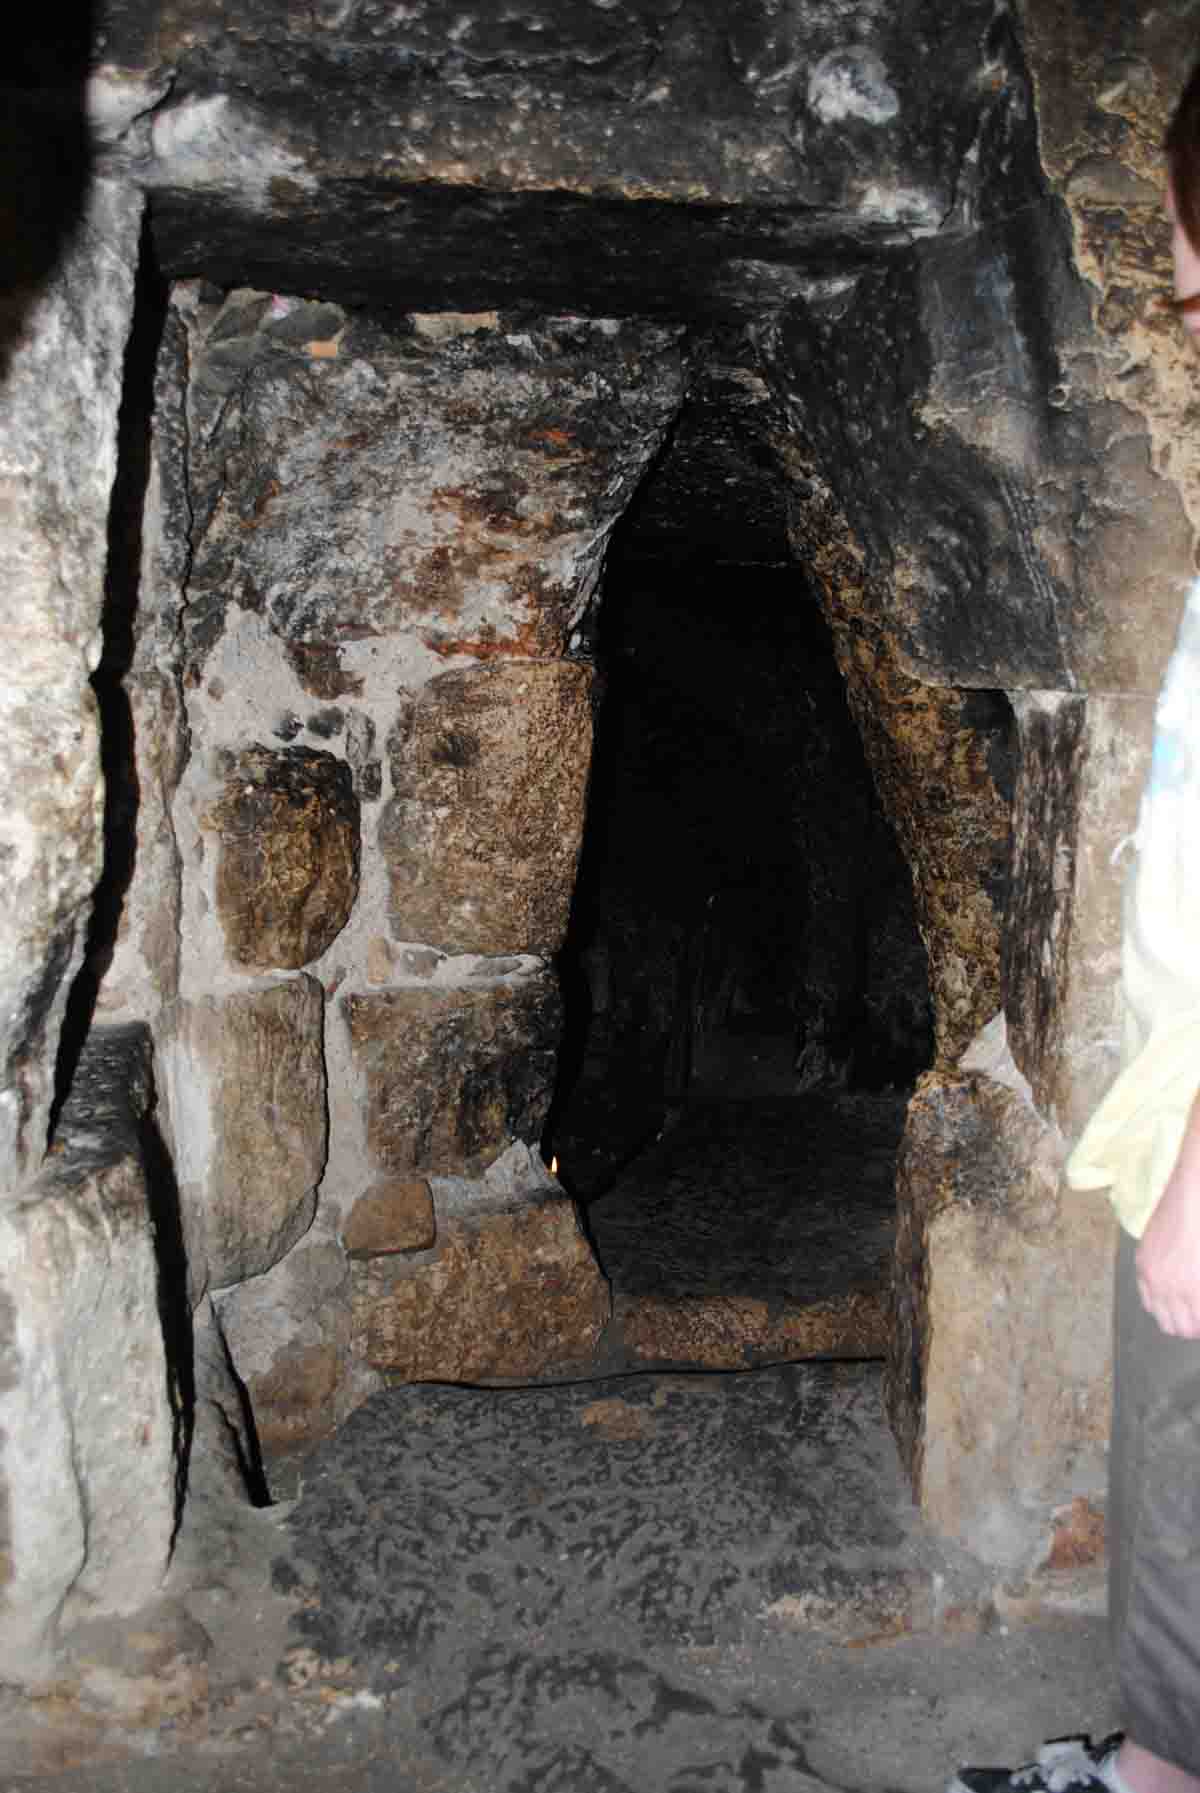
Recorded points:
(554, 1165)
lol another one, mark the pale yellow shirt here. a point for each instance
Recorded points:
(1130, 1145)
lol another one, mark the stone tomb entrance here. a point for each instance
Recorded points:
(747, 999)
(394, 392)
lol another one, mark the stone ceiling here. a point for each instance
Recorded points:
(673, 157)
(678, 159)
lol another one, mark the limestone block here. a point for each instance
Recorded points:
(60, 389)
(454, 488)
(246, 1081)
(88, 1427)
(454, 1074)
(289, 1338)
(145, 727)
(482, 836)
(287, 872)
(395, 1215)
(511, 1296)
(998, 1382)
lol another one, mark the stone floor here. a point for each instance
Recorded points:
(654, 1584)
(758, 1226)
(663, 1582)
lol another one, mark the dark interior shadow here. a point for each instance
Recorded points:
(174, 1306)
(45, 153)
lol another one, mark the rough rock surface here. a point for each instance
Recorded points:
(287, 871)
(983, 1230)
(633, 157)
(290, 1338)
(453, 478)
(89, 1416)
(58, 423)
(481, 838)
(941, 760)
(395, 1215)
(135, 933)
(452, 1075)
(507, 1297)
(247, 1083)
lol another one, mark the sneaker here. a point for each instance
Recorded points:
(1063, 1764)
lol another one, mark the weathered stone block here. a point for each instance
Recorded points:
(982, 1307)
(287, 874)
(61, 389)
(87, 1423)
(511, 1296)
(246, 1077)
(453, 487)
(453, 1075)
(396, 1215)
(482, 837)
(289, 1335)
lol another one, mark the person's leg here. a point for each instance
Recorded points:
(1142, 1772)
(1154, 1575)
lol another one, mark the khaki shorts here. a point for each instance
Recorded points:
(1154, 1527)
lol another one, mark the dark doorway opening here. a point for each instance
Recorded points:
(747, 992)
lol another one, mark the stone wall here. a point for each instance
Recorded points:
(89, 1402)
(343, 670)
(391, 536)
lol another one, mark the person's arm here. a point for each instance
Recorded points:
(1168, 1258)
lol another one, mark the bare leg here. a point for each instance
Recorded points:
(1143, 1772)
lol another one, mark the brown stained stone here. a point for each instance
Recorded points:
(292, 1400)
(482, 838)
(1080, 1536)
(287, 874)
(983, 1309)
(510, 1297)
(453, 1075)
(931, 770)
(455, 491)
(396, 1215)
(248, 1174)
(289, 1338)
(318, 666)
(721, 1332)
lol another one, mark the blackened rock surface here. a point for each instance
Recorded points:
(287, 872)
(453, 1075)
(481, 840)
(654, 1510)
(454, 480)
(685, 158)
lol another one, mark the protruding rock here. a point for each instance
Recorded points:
(287, 875)
(61, 345)
(395, 1215)
(510, 1297)
(289, 1337)
(454, 1075)
(482, 837)
(248, 1107)
(88, 1430)
(983, 1233)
